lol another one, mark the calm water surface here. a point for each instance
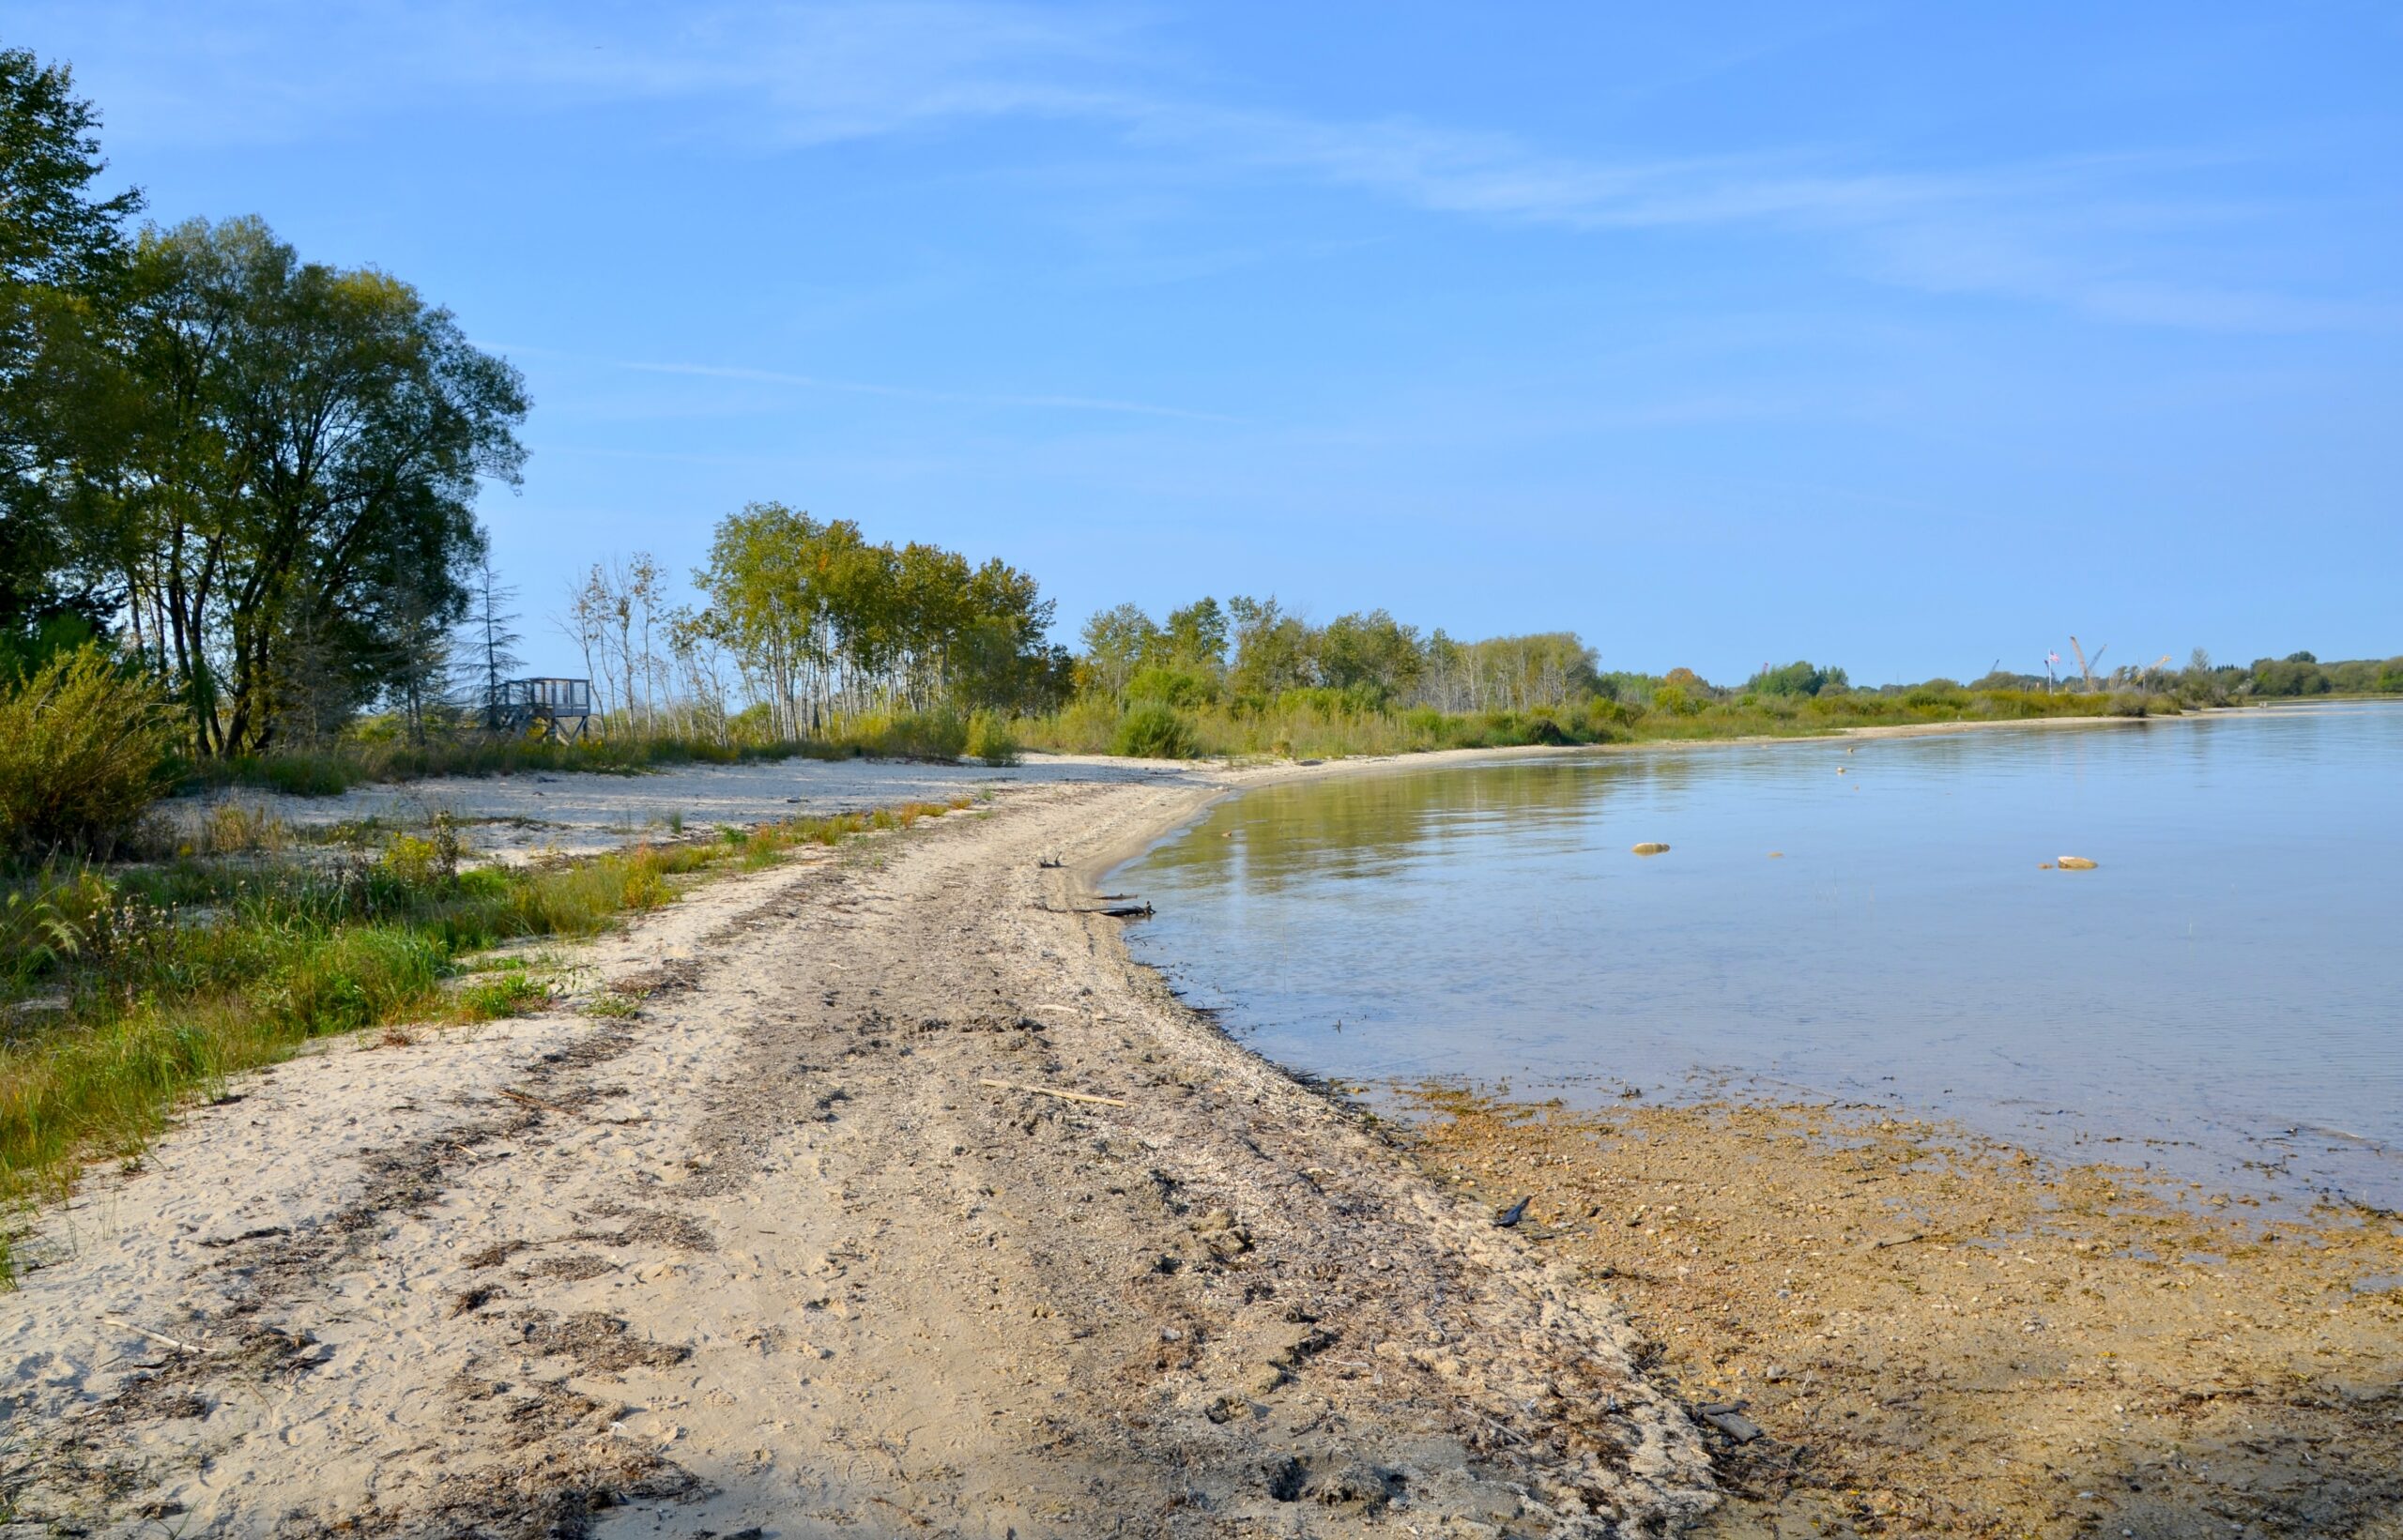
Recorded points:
(2219, 999)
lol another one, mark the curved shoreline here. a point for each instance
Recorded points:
(902, 1194)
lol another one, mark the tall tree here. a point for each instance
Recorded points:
(307, 442)
(62, 255)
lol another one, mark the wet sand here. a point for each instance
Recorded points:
(1936, 1335)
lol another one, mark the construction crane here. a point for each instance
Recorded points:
(2084, 664)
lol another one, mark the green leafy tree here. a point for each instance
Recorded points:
(305, 443)
(1196, 638)
(1117, 642)
(62, 259)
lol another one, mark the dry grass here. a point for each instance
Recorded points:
(127, 989)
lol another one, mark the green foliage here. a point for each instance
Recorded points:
(61, 259)
(84, 752)
(148, 999)
(1796, 679)
(1174, 687)
(832, 627)
(939, 734)
(1153, 731)
(2300, 675)
(301, 558)
(989, 739)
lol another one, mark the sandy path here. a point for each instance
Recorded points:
(766, 1258)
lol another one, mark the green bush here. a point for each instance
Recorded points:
(85, 748)
(939, 734)
(1176, 687)
(1154, 731)
(989, 739)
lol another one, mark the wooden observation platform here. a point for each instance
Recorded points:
(556, 710)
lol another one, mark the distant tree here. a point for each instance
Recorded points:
(1371, 653)
(1272, 648)
(486, 644)
(1794, 678)
(420, 652)
(1196, 637)
(1118, 642)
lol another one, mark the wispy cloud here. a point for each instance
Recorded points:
(1026, 400)
(773, 78)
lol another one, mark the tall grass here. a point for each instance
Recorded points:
(122, 991)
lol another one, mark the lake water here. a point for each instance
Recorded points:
(2221, 999)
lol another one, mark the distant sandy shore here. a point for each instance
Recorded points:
(513, 817)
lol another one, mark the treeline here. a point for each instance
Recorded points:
(2300, 674)
(1249, 676)
(1251, 653)
(260, 471)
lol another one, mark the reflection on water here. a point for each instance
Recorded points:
(2223, 990)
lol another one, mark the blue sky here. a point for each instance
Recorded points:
(1901, 337)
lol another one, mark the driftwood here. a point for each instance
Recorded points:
(1046, 1091)
(160, 1337)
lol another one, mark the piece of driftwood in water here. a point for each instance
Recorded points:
(1046, 1091)
(1134, 911)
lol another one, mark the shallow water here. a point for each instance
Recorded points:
(2222, 998)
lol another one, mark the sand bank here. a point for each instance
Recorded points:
(770, 1254)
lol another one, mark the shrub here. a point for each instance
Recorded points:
(939, 734)
(85, 748)
(1154, 731)
(989, 739)
(1176, 687)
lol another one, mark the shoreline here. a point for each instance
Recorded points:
(895, 1193)
(886, 1187)
(1922, 1329)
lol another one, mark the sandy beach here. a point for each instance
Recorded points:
(879, 1193)
(812, 1243)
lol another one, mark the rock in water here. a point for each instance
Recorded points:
(2074, 864)
(1651, 847)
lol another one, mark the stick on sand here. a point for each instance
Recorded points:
(1046, 1091)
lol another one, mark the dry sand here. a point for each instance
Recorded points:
(769, 1257)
